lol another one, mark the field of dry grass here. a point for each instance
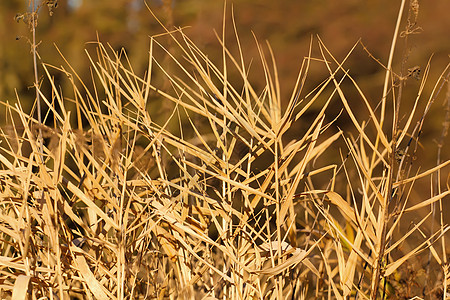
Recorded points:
(185, 183)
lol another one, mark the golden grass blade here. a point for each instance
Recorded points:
(302, 167)
(373, 117)
(90, 203)
(95, 287)
(21, 287)
(343, 205)
(298, 255)
(351, 265)
(404, 131)
(340, 234)
(327, 266)
(356, 123)
(423, 174)
(411, 231)
(390, 268)
(11, 263)
(428, 201)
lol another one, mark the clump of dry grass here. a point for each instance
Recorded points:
(213, 200)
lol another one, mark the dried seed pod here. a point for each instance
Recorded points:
(414, 6)
(51, 4)
(414, 72)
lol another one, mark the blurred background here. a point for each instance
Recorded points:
(287, 25)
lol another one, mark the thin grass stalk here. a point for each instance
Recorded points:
(228, 290)
(384, 214)
(388, 75)
(34, 11)
(441, 142)
(40, 139)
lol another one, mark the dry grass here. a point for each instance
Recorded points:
(216, 200)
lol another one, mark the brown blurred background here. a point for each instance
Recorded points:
(287, 25)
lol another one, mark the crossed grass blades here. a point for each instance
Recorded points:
(210, 197)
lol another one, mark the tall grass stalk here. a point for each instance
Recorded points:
(35, 67)
(388, 194)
